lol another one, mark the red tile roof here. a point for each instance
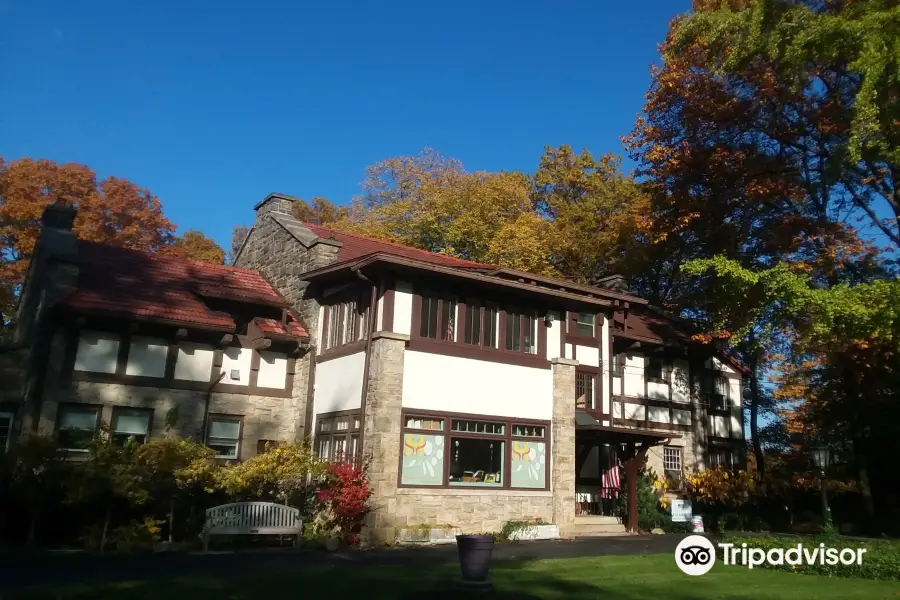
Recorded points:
(355, 245)
(138, 285)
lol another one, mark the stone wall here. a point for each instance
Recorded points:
(562, 466)
(264, 417)
(381, 434)
(473, 511)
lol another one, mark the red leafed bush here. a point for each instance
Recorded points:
(347, 491)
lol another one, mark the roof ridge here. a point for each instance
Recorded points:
(392, 243)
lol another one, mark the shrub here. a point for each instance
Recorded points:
(346, 493)
(881, 560)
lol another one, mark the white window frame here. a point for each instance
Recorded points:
(579, 323)
(9, 435)
(237, 441)
(669, 454)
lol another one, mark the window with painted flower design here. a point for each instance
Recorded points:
(444, 450)
(423, 452)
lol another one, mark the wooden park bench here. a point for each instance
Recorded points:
(251, 518)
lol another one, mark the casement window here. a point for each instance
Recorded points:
(76, 426)
(345, 323)
(337, 436)
(6, 425)
(716, 388)
(521, 331)
(131, 423)
(225, 436)
(585, 390)
(481, 452)
(585, 324)
(657, 370)
(438, 318)
(481, 321)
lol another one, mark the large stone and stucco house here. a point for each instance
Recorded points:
(475, 394)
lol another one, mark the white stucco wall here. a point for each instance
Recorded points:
(403, 298)
(617, 386)
(658, 414)
(657, 391)
(681, 417)
(607, 362)
(236, 361)
(272, 370)
(588, 355)
(568, 350)
(681, 382)
(633, 411)
(147, 357)
(97, 352)
(554, 333)
(339, 383)
(633, 380)
(447, 383)
(194, 362)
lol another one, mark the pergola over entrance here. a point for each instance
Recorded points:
(631, 446)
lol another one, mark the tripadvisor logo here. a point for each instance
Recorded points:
(696, 555)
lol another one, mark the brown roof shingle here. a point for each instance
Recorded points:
(138, 285)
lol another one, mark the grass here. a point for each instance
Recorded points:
(607, 577)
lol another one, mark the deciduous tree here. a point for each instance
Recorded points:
(195, 245)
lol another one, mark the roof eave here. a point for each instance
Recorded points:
(463, 273)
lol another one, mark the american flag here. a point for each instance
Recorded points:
(610, 483)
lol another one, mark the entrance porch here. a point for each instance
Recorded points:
(604, 456)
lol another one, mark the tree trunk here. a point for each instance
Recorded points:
(105, 528)
(865, 489)
(32, 530)
(754, 417)
(171, 517)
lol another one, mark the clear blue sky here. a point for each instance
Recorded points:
(211, 105)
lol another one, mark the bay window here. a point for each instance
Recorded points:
(440, 450)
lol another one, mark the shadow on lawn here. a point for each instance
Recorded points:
(304, 575)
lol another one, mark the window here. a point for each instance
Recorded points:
(6, 423)
(481, 325)
(618, 364)
(473, 453)
(131, 422)
(225, 436)
(723, 458)
(345, 323)
(438, 319)
(584, 324)
(337, 436)
(521, 331)
(585, 390)
(716, 388)
(263, 446)
(76, 426)
(672, 459)
(657, 370)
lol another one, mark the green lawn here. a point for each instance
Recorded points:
(607, 577)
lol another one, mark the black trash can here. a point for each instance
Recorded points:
(475, 557)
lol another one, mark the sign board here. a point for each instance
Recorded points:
(682, 512)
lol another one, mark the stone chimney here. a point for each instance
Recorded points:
(275, 202)
(53, 271)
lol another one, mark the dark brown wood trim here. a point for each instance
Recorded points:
(310, 395)
(254, 371)
(341, 351)
(178, 384)
(387, 310)
(215, 373)
(415, 328)
(588, 369)
(653, 425)
(541, 336)
(447, 433)
(562, 333)
(582, 340)
(646, 401)
(447, 348)
(122, 356)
